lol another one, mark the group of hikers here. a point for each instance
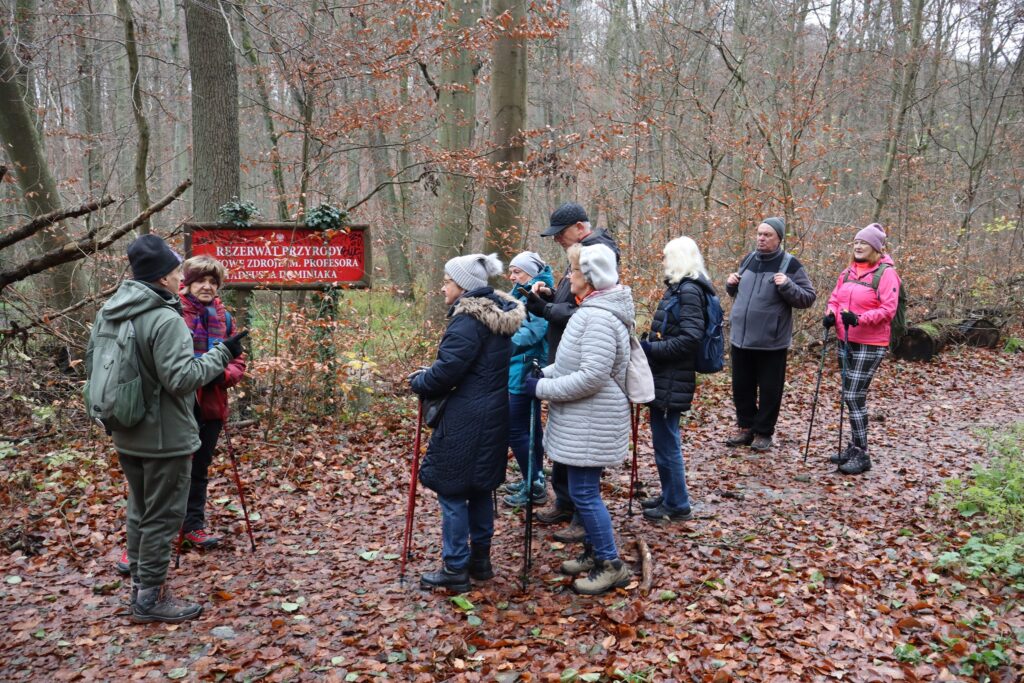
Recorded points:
(566, 343)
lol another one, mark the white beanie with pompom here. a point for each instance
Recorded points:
(473, 270)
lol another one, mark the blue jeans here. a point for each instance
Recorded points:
(668, 456)
(585, 489)
(464, 520)
(519, 433)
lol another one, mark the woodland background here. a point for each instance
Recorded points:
(452, 127)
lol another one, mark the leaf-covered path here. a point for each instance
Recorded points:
(792, 573)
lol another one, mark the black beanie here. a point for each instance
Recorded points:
(151, 258)
(778, 225)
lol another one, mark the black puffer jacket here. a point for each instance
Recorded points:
(469, 449)
(675, 335)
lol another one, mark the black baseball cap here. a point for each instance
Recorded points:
(567, 214)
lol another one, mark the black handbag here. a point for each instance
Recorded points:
(433, 410)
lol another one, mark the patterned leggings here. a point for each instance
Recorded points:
(862, 361)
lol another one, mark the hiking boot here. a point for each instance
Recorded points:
(574, 533)
(122, 565)
(858, 463)
(518, 500)
(553, 514)
(584, 562)
(761, 442)
(480, 568)
(456, 580)
(648, 503)
(603, 577)
(135, 593)
(200, 539)
(513, 487)
(156, 603)
(741, 438)
(663, 514)
(839, 458)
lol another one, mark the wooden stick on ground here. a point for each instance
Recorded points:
(646, 565)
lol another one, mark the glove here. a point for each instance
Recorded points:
(850, 319)
(536, 372)
(829, 320)
(646, 346)
(535, 304)
(219, 379)
(530, 386)
(234, 343)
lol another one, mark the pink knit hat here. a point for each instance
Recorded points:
(873, 235)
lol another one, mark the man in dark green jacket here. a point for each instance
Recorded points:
(156, 454)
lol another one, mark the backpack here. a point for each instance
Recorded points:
(639, 386)
(898, 326)
(113, 386)
(787, 258)
(711, 350)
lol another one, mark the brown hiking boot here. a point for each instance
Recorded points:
(603, 577)
(583, 563)
(761, 443)
(741, 438)
(156, 603)
(552, 514)
(574, 533)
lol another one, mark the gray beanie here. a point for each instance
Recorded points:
(598, 265)
(778, 225)
(472, 270)
(529, 262)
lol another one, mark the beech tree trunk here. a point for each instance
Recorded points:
(124, 11)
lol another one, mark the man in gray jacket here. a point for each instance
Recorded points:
(768, 286)
(156, 454)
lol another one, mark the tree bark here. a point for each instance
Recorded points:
(215, 155)
(925, 340)
(508, 119)
(124, 11)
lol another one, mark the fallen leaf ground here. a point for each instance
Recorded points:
(793, 572)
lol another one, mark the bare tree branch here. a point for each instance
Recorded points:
(40, 222)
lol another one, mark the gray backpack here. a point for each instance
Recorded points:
(113, 386)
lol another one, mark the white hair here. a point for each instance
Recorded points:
(683, 259)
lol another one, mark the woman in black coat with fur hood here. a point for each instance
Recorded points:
(468, 450)
(671, 346)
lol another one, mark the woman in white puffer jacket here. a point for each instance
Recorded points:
(588, 412)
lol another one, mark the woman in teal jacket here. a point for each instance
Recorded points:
(529, 343)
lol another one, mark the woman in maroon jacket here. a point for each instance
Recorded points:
(209, 323)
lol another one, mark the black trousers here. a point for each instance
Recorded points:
(560, 485)
(195, 513)
(758, 378)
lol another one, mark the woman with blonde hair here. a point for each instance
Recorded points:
(671, 346)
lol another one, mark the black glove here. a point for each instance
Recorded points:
(535, 371)
(219, 379)
(234, 343)
(535, 304)
(850, 319)
(530, 386)
(829, 320)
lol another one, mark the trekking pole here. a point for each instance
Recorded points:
(817, 388)
(842, 348)
(635, 420)
(528, 485)
(411, 507)
(238, 483)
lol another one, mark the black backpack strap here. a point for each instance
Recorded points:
(746, 262)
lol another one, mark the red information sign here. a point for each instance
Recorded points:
(282, 255)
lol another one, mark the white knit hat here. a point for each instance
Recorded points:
(472, 270)
(598, 265)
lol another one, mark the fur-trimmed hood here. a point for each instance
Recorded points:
(499, 312)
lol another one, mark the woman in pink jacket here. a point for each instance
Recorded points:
(864, 302)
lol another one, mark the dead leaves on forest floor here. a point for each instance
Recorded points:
(791, 573)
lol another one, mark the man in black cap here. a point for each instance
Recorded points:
(155, 453)
(569, 225)
(769, 284)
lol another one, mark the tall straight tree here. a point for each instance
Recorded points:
(508, 118)
(456, 104)
(215, 155)
(124, 11)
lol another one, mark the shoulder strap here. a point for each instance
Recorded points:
(746, 262)
(787, 258)
(228, 323)
(878, 276)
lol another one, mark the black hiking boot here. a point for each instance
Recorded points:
(663, 514)
(456, 580)
(839, 458)
(858, 463)
(649, 503)
(743, 437)
(156, 603)
(480, 568)
(761, 443)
